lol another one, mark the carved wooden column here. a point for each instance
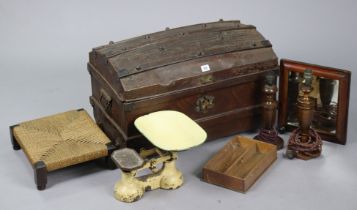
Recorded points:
(268, 133)
(304, 142)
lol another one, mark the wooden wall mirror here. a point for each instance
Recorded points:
(331, 88)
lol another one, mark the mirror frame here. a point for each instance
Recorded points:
(344, 78)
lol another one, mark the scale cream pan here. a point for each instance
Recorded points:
(170, 130)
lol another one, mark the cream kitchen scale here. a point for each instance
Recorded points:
(169, 132)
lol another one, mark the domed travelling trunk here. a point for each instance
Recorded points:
(212, 72)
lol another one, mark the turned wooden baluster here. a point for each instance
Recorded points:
(326, 91)
(270, 103)
(304, 142)
(268, 133)
(305, 107)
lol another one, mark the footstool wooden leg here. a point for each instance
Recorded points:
(14, 143)
(40, 175)
(108, 160)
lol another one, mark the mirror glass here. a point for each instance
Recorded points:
(325, 96)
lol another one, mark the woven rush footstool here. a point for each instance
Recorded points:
(58, 141)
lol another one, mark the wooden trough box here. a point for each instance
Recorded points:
(239, 163)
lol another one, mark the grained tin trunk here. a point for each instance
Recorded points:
(212, 72)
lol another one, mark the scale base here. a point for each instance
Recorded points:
(131, 188)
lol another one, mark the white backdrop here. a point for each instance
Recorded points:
(44, 48)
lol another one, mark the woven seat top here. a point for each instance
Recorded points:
(62, 140)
